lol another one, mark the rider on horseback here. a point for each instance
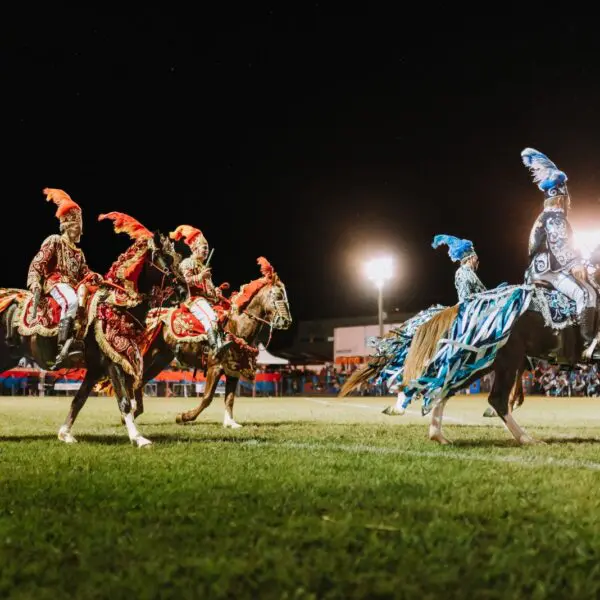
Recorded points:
(466, 281)
(59, 269)
(554, 261)
(202, 290)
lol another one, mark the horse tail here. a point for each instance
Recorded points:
(425, 341)
(362, 375)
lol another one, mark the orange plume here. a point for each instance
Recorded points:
(125, 224)
(62, 200)
(187, 232)
(266, 268)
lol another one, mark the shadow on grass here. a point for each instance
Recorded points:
(113, 440)
(510, 443)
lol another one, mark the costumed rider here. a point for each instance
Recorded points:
(465, 280)
(197, 275)
(467, 283)
(59, 269)
(553, 258)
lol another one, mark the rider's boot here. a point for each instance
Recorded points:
(587, 328)
(65, 341)
(217, 343)
(11, 327)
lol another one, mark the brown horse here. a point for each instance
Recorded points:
(261, 302)
(111, 336)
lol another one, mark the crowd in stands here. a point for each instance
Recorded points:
(290, 380)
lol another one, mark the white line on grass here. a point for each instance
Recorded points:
(379, 409)
(450, 454)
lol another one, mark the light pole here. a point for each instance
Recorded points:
(379, 270)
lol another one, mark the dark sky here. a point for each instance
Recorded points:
(314, 138)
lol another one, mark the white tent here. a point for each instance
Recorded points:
(266, 358)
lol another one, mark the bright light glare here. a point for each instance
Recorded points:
(586, 241)
(379, 270)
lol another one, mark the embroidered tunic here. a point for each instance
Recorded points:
(551, 243)
(191, 268)
(57, 261)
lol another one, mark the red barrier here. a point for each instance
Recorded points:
(168, 376)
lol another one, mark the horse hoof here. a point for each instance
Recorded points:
(392, 411)
(527, 440)
(490, 412)
(438, 437)
(142, 442)
(232, 425)
(66, 436)
(179, 419)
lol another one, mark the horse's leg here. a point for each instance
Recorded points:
(212, 379)
(516, 395)
(123, 386)
(156, 366)
(230, 387)
(435, 427)
(91, 377)
(398, 408)
(504, 382)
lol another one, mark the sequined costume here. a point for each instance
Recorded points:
(59, 268)
(467, 283)
(553, 258)
(203, 294)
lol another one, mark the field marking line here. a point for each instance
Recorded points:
(533, 461)
(379, 409)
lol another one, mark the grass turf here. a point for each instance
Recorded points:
(314, 498)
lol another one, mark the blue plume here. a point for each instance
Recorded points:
(457, 248)
(545, 173)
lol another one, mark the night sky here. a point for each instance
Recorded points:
(315, 138)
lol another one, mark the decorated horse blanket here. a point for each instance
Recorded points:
(391, 351)
(481, 328)
(118, 334)
(179, 327)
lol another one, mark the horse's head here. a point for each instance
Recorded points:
(149, 266)
(164, 259)
(265, 299)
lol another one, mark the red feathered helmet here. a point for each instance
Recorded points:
(192, 236)
(68, 211)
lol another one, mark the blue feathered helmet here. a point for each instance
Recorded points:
(458, 250)
(546, 174)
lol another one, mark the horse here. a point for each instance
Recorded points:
(261, 302)
(529, 335)
(388, 363)
(140, 277)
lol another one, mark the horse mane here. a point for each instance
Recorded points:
(247, 291)
(241, 299)
(425, 341)
(128, 266)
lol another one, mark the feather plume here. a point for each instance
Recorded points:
(62, 200)
(545, 173)
(125, 224)
(457, 248)
(187, 232)
(266, 268)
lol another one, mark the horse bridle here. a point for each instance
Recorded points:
(281, 312)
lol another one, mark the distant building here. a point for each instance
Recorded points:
(315, 340)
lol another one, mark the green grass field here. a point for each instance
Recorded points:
(313, 498)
